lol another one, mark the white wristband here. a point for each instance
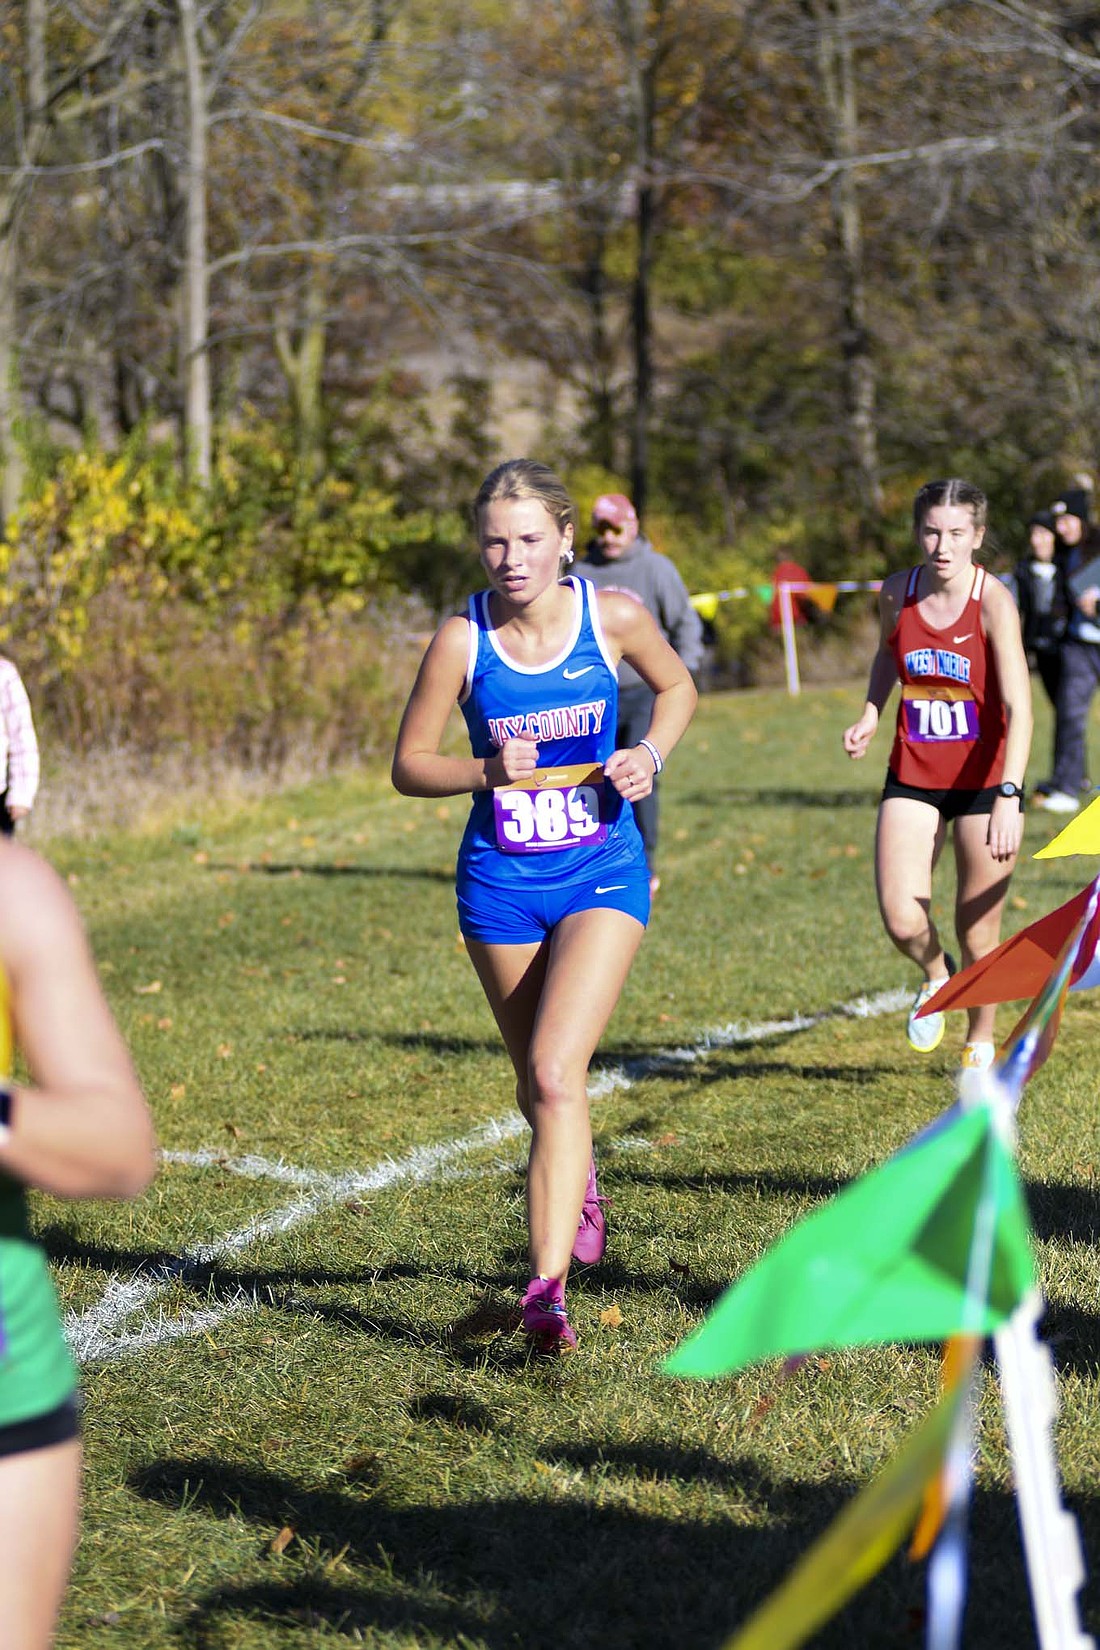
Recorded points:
(658, 759)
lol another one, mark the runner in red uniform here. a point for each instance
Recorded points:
(950, 635)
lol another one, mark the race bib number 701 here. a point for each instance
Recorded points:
(555, 808)
(938, 715)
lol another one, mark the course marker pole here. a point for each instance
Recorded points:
(1052, 1540)
(790, 651)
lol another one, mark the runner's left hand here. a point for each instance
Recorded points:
(631, 772)
(1006, 828)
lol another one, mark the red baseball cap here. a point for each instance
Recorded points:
(615, 508)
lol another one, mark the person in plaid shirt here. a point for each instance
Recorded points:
(18, 750)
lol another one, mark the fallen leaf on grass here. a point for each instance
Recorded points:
(149, 990)
(1018, 902)
(177, 1091)
(611, 1317)
(761, 1408)
(366, 1467)
(279, 1543)
(164, 1023)
(224, 1050)
(337, 1559)
(231, 1128)
(667, 1140)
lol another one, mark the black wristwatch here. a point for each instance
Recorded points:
(5, 1112)
(1009, 789)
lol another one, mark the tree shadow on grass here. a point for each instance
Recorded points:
(773, 796)
(1061, 1212)
(425, 1041)
(295, 868)
(568, 1567)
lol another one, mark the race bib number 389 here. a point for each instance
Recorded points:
(555, 808)
(939, 715)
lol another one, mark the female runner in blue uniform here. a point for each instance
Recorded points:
(553, 890)
(80, 1128)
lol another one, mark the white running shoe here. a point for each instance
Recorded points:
(927, 1034)
(977, 1056)
(1058, 802)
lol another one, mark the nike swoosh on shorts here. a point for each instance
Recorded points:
(612, 888)
(571, 675)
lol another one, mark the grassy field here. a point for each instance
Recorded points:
(309, 1418)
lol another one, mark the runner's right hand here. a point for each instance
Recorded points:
(518, 759)
(858, 737)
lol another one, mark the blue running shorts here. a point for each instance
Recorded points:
(520, 916)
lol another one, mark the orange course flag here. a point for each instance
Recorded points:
(1020, 966)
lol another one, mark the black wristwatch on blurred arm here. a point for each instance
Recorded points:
(1007, 788)
(5, 1113)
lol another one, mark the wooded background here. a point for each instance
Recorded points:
(279, 281)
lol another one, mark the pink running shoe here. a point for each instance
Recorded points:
(544, 1320)
(591, 1239)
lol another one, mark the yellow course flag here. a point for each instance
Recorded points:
(823, 596)
(706, 605)
(1081, 836)
(857, 1543)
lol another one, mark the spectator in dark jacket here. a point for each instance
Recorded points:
(1039, 588)
(619, 558)
(1080, 676)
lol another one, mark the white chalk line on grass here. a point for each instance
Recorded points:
(90, 1333)
(97, 1334)
(738, 1035)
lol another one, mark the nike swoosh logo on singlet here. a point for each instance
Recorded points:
(958, 640)
(571, 675)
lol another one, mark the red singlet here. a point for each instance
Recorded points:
(951, 719)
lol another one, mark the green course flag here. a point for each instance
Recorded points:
(884, 1260)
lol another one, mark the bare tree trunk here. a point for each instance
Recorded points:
(13, 194)
(593, 283)
(636, 29)
(303, 367)
(643, 342)
(196, 360)
(836, 61)
(11, 462)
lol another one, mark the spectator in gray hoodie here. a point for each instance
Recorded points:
(619, 558)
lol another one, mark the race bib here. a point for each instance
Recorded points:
(555, 808)
(938, 715)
